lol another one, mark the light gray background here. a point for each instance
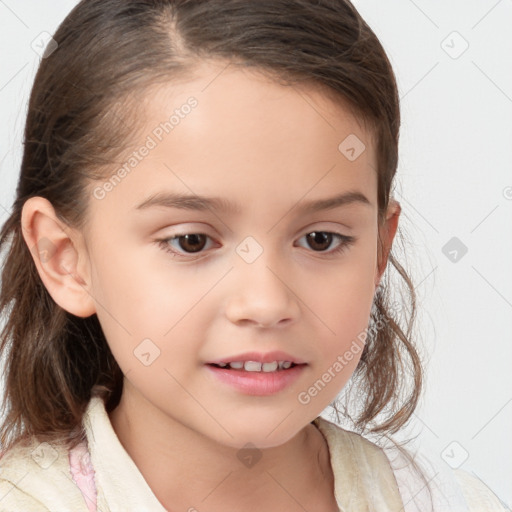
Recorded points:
(455, 181)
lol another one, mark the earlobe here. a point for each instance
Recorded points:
(53, 246)
(387, 235)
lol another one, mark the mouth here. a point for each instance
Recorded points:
(255, 377)
(256, 366)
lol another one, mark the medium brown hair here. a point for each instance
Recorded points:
(110, 52)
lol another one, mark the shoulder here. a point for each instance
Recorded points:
(360, 466)
(35, 477)
(14, 500)
(448, 490)
(478, 496)
(350, 448)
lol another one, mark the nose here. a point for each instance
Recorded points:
(262, 294)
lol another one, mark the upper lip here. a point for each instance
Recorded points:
(260, 357)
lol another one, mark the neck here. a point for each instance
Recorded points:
(188, 470)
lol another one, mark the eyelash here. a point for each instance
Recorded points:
(346, 242)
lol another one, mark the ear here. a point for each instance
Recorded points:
(59, 255)
(387, 233)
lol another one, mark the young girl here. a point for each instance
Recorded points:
(196, 269)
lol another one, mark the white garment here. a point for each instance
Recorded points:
(360, 464)
(363, 477)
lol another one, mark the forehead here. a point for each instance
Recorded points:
(231, 132)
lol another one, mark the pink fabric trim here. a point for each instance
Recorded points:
(83, 474)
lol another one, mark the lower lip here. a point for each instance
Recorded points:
(258, 383)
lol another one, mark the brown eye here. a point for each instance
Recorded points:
(181, 245)
(192, 243)
(321, 240)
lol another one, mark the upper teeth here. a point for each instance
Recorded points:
(254, 366)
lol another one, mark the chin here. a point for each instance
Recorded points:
(261, 433)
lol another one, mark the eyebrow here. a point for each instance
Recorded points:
(202, 203)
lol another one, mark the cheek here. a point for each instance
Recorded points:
(154, 321)
(342, 302)
(342, 296)
(340, 346)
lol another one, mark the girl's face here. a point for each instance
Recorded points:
(251, 276)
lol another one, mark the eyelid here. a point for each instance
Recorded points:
(328, 226)
(181, 231)
(344, 242)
